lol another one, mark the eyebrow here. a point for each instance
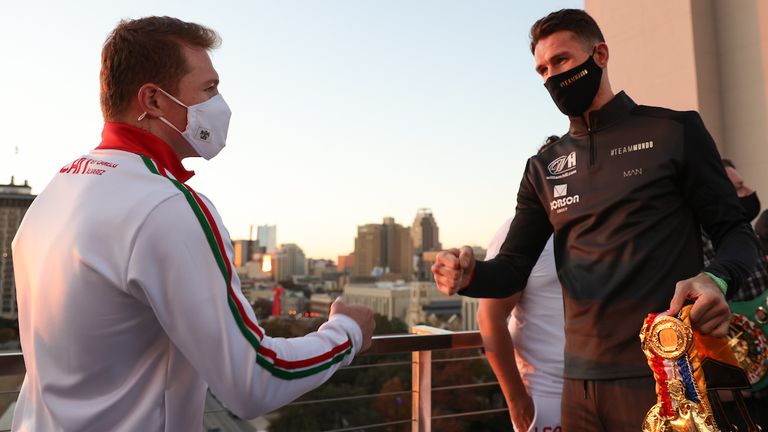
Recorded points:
(549, 60)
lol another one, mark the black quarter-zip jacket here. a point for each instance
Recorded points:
(626, 195)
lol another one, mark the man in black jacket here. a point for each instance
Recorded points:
(625, 192)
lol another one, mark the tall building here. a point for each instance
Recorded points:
(426, 238)
(288, 261)
(384, 248)
(346, 263)
(424, 232)
(267, 237)
(704, 55)
(245, 251)
(14, 202)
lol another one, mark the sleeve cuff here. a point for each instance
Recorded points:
(719, 281)
(352, 329)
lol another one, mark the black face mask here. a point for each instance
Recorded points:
(751, 205)
(574, 90)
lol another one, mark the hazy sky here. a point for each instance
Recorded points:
(344, 111)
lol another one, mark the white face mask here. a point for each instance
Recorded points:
(207, 125)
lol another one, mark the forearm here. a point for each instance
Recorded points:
(494, 279)
(499, 347)
(500, 351)
(735, 258)
(713, 199)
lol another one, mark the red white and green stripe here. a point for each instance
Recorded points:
(265, 357)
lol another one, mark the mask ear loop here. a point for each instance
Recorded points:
(142, 116)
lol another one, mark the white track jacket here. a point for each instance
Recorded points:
(129, 307)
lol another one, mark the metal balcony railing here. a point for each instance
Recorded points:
(420, 346)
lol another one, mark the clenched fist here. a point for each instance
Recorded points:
(453, 269)
(362, 315)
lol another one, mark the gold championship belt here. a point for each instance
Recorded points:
(681, 392)
(747, 338)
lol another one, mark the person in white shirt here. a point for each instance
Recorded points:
(129, 307)
(533, 334)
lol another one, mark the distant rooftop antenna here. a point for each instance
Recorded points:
(16, 163)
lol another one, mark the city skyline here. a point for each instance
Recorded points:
(343, 111)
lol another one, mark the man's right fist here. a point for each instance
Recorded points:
(362, 315)
(453, 269)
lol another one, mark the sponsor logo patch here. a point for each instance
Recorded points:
(561, 190)
(562, 199)
(88, 166)
(563, 166)
(203, 134)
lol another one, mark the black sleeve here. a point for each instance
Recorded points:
(713, 199)
(529, 231)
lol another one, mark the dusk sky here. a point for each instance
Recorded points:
(344, 111)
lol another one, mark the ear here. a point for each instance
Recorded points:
(601, 54)
(148, 103)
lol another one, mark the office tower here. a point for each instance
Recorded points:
(384, 248)
(346, 263)
(14, 202)
(267, 237)
(244, 251)
(424, 232)
(288, 261)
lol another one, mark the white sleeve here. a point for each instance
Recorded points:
(180, 267)
(498, 239)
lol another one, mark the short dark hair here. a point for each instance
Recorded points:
(147, 50)
(728, 163)
(576, 21)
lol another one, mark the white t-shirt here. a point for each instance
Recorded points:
(537, 324)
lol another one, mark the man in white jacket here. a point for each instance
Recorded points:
(129, 307)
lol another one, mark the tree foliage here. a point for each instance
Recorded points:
(383, 391)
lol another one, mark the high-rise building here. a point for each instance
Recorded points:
(245, 251)
(267, 237)
(424, 232)
(288, 261)
(704, 55)
(14, 202)
(426, 238)
(346, 263)
(384, 248)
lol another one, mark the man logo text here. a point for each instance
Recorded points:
(633, 172)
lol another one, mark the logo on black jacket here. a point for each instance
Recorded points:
(562, 199)
(647, 145)
(562, 166)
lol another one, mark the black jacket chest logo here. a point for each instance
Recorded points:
(563, 166)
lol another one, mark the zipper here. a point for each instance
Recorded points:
(591, 143)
